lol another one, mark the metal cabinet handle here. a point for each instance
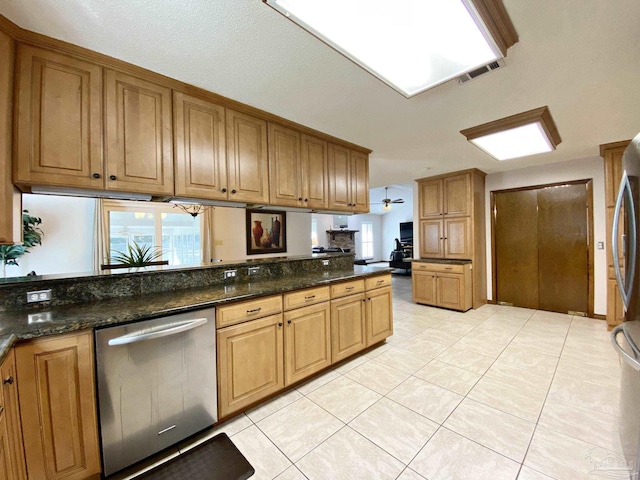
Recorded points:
(289, 322)
(8, 380)
(255, 310)
(348, 289)
(624, 193)
(625, 356)
(310, 297)
(379, 282)
(224, 190)
(96, 175)
(112, 177)
(233, 191)
(279, 324)
(1, 409)
(151, 333)
(306, 199)
(299, 199)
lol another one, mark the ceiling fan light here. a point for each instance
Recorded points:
(386, 207)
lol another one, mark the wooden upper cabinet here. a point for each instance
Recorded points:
(247, 157)
(348, 179)
(200, 148)
(612, 154)
(431, 199)
(56, 387)
(10, 198)
(360, 182)
(138, 137)
(445, 196)
(457, 195)
(315, 181)
(431, 238)
(59, 120)
(285, 172)
(457, 238)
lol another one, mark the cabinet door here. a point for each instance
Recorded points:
(450, 291)
(360, 182)
(250, 363)
(430, 195)
(6, 471)
(307, 341)
(379, 315)
(201, 156)
(12, 414)
(10, 198)
(424, 287)
(247, 158)
(431, 239)
(457, 195)
(315, 173)
(347, 326)
(58, 406)
(138, 138)
(457, 234)
(59, 120)
(285, 186)
(615, 308)
(339, 178)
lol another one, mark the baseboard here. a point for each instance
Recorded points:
(491, 302)
(599, 316)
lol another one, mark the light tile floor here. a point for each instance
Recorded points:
(494, 393)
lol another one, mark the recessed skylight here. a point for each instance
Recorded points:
(411, 45)
(527, 133)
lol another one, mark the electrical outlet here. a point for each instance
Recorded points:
(253, 270)
(230, 274)
(600, 245)
(40, 317)
(39, 296)
(325, 263)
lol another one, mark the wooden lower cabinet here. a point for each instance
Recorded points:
(250, 363)
(11, 416)
(56, 388)
(379, 315)
(6, 470)
(348, 328)
(307, 341)
(442, 285)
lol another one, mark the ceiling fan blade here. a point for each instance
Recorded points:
(397, 200)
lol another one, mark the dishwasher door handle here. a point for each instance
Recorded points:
(142, 335)
(625, 356)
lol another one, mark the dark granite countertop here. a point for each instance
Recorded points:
(449, 261)
(24, 324)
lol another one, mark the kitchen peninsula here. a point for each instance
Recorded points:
(322, 304)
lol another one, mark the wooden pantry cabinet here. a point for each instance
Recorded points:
(56, 388)
(10, 198)
(298, 169)
(612, 154)
(452, 226)
(348, 180)
(442, 285)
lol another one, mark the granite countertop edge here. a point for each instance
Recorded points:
(20, 324)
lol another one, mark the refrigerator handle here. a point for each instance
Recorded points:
(624, 197)
(633, 363)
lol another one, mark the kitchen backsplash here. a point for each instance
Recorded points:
(66, 291)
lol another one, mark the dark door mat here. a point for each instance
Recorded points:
(216, 459)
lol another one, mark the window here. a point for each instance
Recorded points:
(176, 233)
(314, 232)
(367, 240)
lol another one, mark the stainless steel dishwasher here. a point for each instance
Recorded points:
(156, 384)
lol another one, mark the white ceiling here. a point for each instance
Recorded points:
(579, 57)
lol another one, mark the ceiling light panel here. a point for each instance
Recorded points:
(411, 45)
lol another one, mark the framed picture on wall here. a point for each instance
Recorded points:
(266, 231)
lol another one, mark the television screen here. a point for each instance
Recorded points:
(406, 232)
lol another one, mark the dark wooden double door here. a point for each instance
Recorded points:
(541, 241)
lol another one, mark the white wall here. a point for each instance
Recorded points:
(324, 222)
(588, 168)
(355, 223)
(66, 247)
(230, 234)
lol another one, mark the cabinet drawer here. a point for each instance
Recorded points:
(309, 296)
(241, 312)
(347, 288)
(437, 267)
(377, 282)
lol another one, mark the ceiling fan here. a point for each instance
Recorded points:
(386, 202)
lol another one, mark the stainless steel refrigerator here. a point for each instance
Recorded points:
(626, 337)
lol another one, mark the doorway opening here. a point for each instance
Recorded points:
(542, 245)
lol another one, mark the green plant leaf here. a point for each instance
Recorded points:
(137, 255)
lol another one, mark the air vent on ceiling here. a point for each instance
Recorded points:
(481, 71)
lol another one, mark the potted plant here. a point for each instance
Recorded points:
(136, 256)
(32, 236)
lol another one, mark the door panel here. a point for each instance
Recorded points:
(339, 178)
(457, 238)
(562, 248)
(360, 182)
(315, 179)
(516, 246)
(284, 166)
(431, 199)
(431, 237)
(457, 195)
